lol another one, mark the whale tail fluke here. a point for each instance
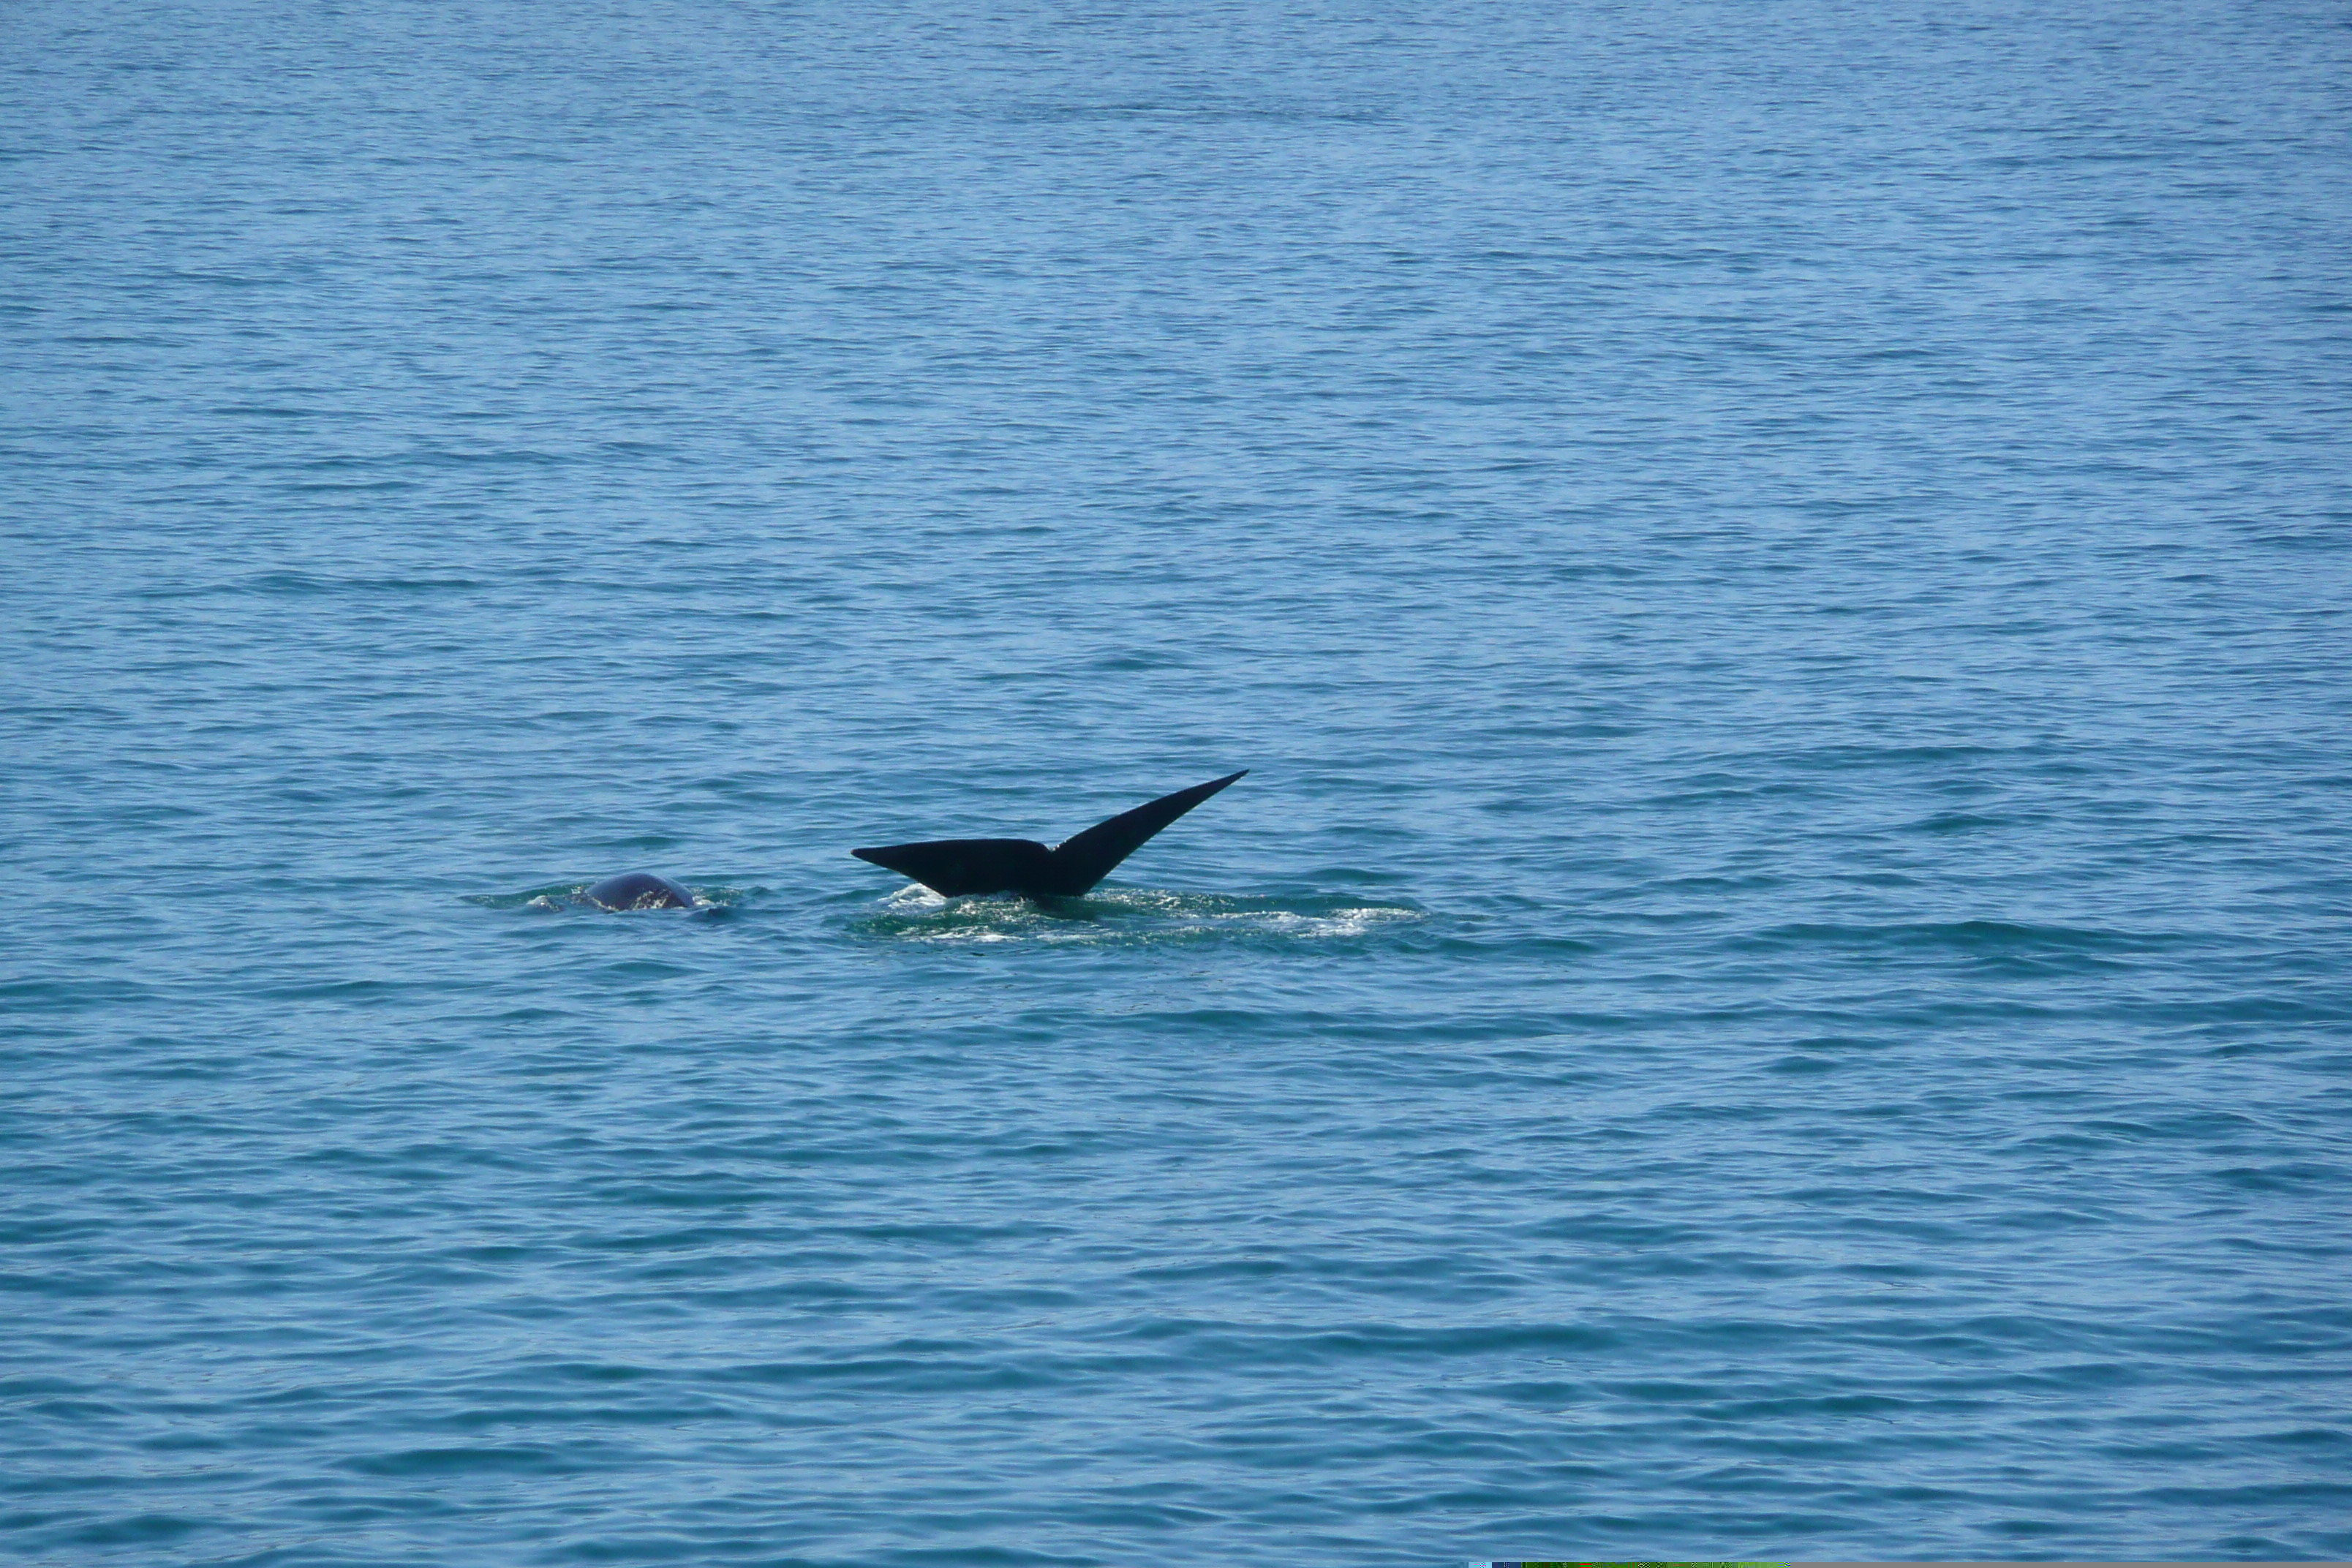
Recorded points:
(1081, 861)
(954, 867)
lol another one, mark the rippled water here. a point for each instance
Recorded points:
(1778, 984)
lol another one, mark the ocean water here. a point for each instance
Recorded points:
(1781, 983)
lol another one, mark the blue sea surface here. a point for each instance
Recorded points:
(1781, 983)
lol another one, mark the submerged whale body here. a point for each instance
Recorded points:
(639, 891)
(954, 868)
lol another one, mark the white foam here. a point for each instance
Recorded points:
(1126, 915)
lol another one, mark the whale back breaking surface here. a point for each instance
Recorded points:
(955, 867)
(639, 891)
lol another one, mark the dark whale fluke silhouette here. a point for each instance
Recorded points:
(639, 891)
(955, 866)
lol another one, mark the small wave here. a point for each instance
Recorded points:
(1124, 916)
(1987, 946)
(1976, 936)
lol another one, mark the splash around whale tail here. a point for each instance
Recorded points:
(956, 866)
